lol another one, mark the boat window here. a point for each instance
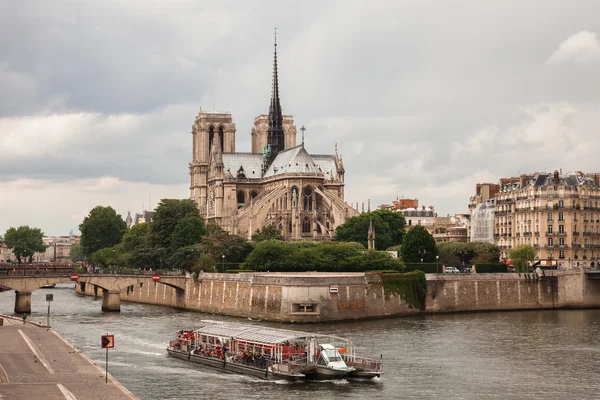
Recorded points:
(332, 355)
(321, 361)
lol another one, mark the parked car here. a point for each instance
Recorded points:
(452, 270)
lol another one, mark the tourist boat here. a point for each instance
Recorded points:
(270, 353)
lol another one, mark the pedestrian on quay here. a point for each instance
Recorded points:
(24, 318)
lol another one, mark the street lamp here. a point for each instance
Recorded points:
(437, 263)
(223, 263)
(422, 252)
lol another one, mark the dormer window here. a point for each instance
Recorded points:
(240, 172)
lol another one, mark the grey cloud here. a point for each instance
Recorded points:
(398, 84)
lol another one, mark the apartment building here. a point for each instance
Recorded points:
(558, 214)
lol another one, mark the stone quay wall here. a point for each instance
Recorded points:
(327, 297)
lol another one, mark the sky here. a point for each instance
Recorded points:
(424, 98)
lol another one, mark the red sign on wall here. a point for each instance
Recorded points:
(74, 277)
(156, 278)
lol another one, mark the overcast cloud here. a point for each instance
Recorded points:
(424, 98)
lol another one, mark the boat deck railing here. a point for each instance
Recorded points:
(291, 366)
(364, 364)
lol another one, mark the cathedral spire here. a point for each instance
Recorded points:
(371, 235)
(275, 134)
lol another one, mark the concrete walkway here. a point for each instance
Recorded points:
(37, 363)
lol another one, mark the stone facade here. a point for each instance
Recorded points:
(558, 214)
(279, 183)
(322, 297)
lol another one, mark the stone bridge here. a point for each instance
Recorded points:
(26, 281)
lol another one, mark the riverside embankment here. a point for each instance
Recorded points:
(37, 363)
(327, 297)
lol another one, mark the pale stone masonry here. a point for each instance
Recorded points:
(558, 214)
(279, 183)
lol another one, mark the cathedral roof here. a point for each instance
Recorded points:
(249, 163)
(327, 164)
(293, 160)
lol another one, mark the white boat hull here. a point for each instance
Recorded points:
(322, 372)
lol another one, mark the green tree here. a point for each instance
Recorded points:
(267, 232)
(204, 263)
(485, 253)
(449, 253)
(388, 226)
(396, 223)
(274, 255)
(102, 228)
(149, 257)
(188, 231)
(24, 242)
(220, 243)
(463, 253)
(184, 257)
(520, 257)
(105, 257)
(137, 236)
(418, 244)
(77, 253)
(168, 214)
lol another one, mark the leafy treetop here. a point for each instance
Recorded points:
(168, 214)
(274, 255)
(389, 228)
(463, 253)
(24, 242)
(102, 228)
(418, 244)
(520, 257)
(188, 231)
(268, 232)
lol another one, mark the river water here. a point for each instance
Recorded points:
(511, 355)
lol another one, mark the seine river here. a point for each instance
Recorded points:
(513, 355)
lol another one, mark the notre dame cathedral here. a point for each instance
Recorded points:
(279, 183)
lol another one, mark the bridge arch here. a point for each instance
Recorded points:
(112, 286)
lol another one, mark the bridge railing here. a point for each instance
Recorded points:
(35, 272)
(120, 271)
(15, 270)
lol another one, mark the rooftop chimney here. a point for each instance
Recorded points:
(555, 177)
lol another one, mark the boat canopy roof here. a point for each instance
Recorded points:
(250, 333)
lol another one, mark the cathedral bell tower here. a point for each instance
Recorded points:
(209, 127)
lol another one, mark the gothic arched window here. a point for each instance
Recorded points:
(306, 225)
(211, 136)
(308, 204)
(253, 194)
(241, 197)
(222, 138)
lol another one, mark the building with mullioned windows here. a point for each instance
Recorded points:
(558, 214)
(278, 183)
